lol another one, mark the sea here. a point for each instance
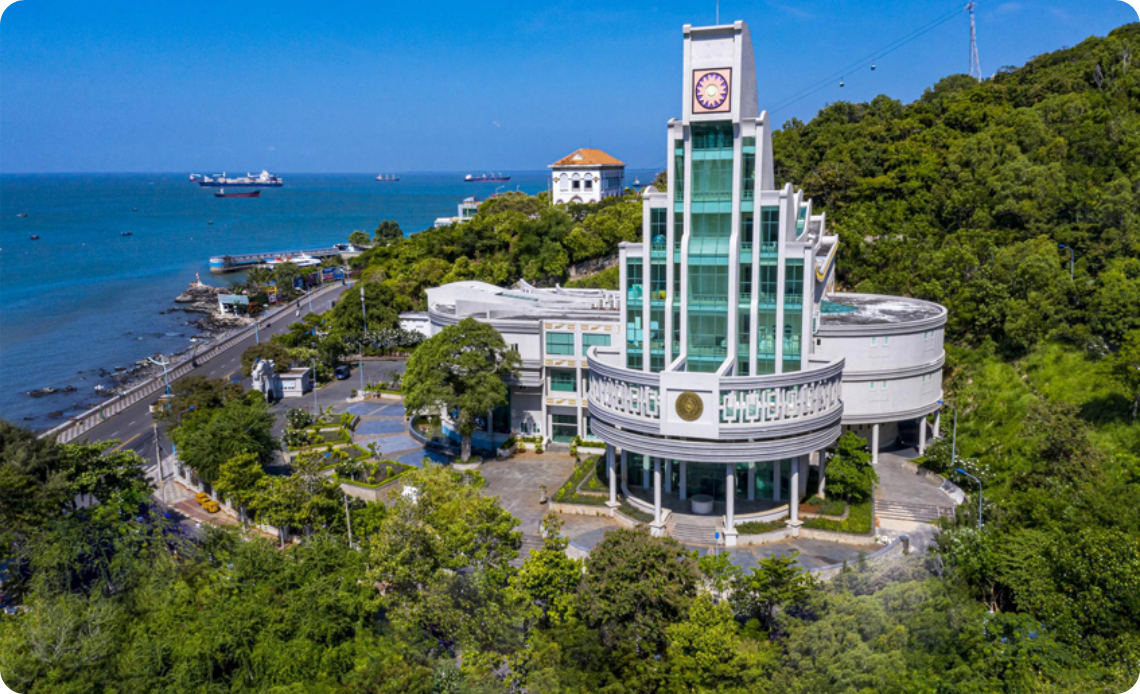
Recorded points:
(84, 299)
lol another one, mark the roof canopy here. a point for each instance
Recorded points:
(588, 157)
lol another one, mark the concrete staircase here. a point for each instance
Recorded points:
(691, 532)
(529, 542)
(910, 511)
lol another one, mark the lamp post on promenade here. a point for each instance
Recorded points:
(165, 374)
(1072, 257)
(963, 472)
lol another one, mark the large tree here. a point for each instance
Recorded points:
(1124, 365)
(205, 441)
(634, 587)
(461, 371)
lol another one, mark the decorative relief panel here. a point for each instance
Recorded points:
(628, 398)
(779, 404)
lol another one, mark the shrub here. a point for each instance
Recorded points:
(757, 527)
(568, 492)
(849, 472)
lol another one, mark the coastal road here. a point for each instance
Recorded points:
(133, 426)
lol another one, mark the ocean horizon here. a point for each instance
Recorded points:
(84, 298)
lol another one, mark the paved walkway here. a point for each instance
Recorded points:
(516, 481)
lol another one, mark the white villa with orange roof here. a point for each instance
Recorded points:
(586, 175)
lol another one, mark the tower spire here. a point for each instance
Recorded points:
(975, 64)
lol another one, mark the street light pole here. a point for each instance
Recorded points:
(158, 464)
(954, 438)
(347, 518)
(963, 472)
(164, 364)
(256, 332)
(1072, 257)
(363, 337)
(316, 411)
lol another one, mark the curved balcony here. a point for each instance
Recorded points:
(750, 412)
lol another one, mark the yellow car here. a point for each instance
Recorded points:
(202, 497)
(211, 506)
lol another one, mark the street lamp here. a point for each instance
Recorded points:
(963, 472)
(1072, 257)
(363, 337)
(256, 332)
(954, 438)
(164, 364)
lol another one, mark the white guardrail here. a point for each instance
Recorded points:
(86, 421)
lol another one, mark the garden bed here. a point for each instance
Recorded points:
(859, 520)
(570, 491)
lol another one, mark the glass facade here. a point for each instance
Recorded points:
(634, 338)
(710, 225)
(793, 312)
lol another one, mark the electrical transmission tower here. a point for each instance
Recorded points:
(975, 64)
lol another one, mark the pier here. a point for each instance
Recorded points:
(221, 264)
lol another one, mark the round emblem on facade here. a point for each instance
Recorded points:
(689, 406)
(712, 90)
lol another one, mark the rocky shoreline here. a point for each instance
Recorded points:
(210, 328)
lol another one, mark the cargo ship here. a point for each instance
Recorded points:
(262, 180)
(221, 193)
(387, 177)
(485, 178)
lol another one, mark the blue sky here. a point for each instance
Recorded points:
(433, 86)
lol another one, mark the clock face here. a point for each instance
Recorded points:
(711, 90)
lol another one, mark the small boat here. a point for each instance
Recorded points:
(210, 223)
(387, 177)
(21, 215)
(221, 193)
(125, 233)
(134, 209)
(34, 237)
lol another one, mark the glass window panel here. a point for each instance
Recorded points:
(562, 380)
(589, 340)
(559, 343)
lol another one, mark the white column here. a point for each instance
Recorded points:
(669, 476)
(611, 470)
(751, 481)
(795, 490)
(775, 480)
(729, 497)
(657, 491)
(822, 473)
(922, 435)
(684, 480)
(875, 444)
(937, 421)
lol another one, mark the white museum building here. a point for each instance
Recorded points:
(727, 363)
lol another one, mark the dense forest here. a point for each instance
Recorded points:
(961, 197)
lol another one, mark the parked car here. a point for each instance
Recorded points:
(341, 373)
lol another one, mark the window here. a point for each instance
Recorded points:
(564, 182)
(562, 380)
(884, 385)
(745, 281)
(559, 343)
(589, 184)
(563, 427)
(872, 342)
(589, 341)
(886, 340)
(872, 385)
